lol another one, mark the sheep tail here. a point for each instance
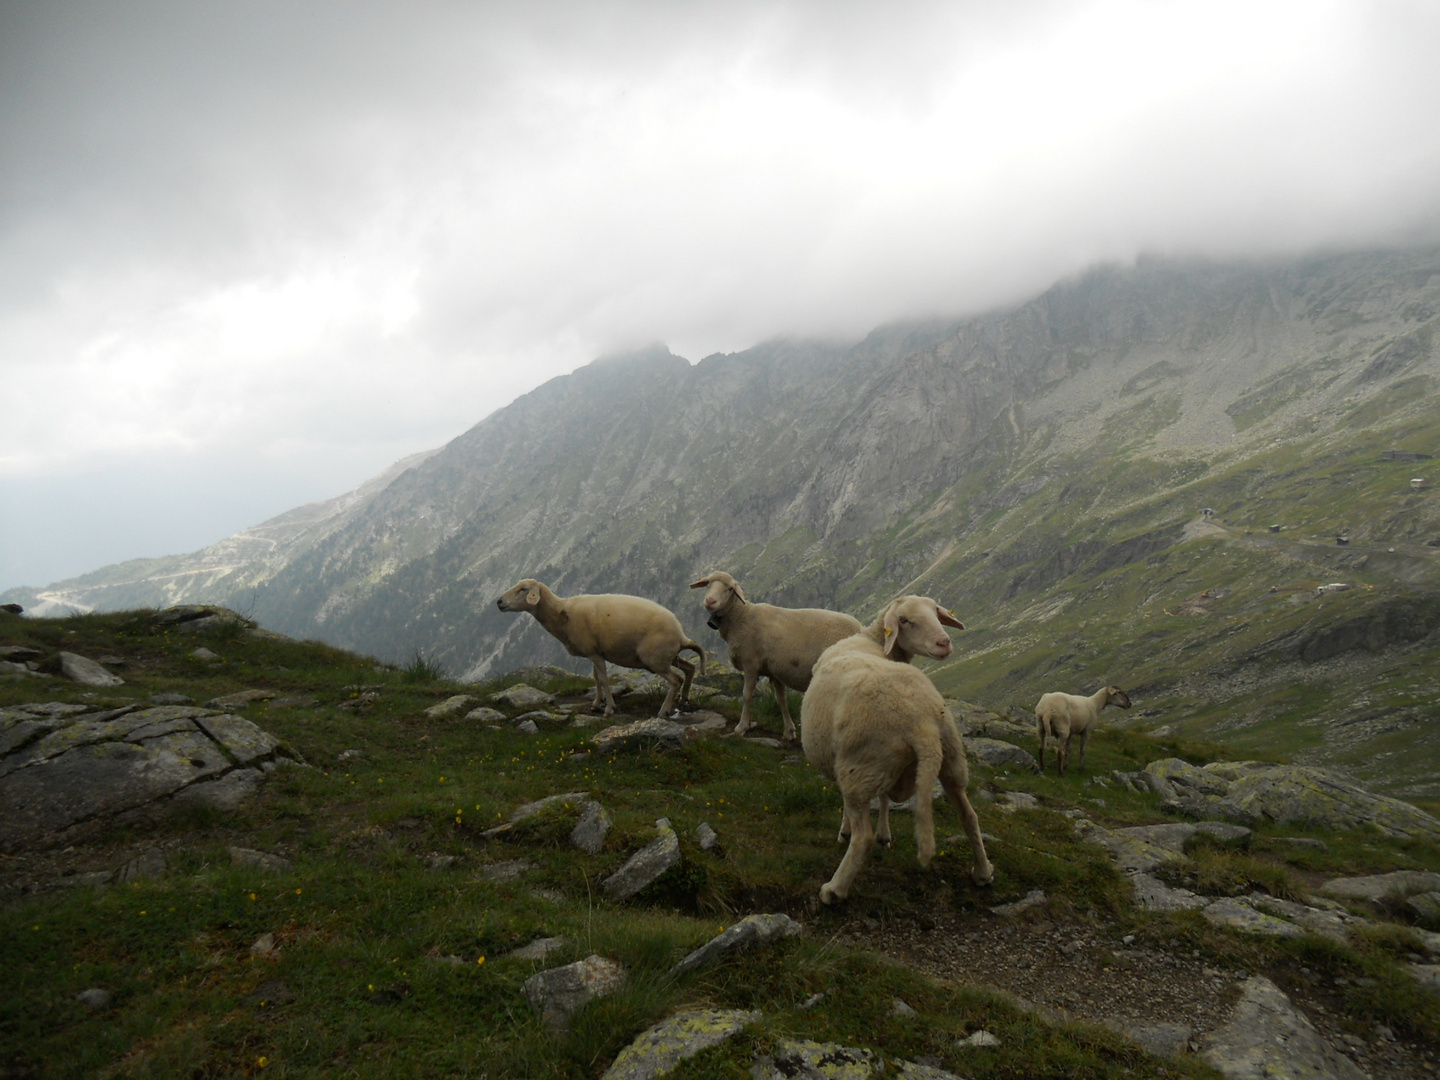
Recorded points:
(690, 646)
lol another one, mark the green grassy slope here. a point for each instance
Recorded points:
(389, 967)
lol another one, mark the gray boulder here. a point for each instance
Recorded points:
(656, 1051)
(666, 734)
(646, 865)
(1001, 755)
(87, 672)
(559, 993)
(521, 696)
(449, 707)
(1267, 1038)
(61, 774)
(748, 932)
(1400, 883)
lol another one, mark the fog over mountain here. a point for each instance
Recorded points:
(253, 254)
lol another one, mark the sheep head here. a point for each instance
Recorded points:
(522, 597)
(721, 590)
(1117, 697)
(917, 624)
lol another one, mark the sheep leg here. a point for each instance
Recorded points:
(862, 839)
(689, 669)
(784, 707)
(882, 830)
(1040, 732)
(669, 702)
(1062, 751)
(953, 780)
(603, 696)
(751, 679)
(1084, 741)
(926, 772)
(844, 826)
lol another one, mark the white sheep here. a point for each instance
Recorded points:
(626, 630)
(1062, 716)
(779, 643)
(878, 727)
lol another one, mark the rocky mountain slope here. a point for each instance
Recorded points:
(1041, 469)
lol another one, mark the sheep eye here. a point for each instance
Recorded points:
(904, 621)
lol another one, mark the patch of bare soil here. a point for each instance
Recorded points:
(1079, 972)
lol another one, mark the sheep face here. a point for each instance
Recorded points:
(523, 597)
(1118, 697)
(721, 591)
(917, 624)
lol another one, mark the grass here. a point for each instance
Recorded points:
(392, 965)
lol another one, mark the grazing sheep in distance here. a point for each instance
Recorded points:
(1064, 715)
(781, 644)
(626, 630)
(878, 727)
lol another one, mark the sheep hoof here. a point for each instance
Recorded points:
(983, 877)
(883, 841)
(830, 895)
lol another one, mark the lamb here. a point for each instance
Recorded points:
(878, 727)
(1064, 715)
(626, 630)
(781, 644)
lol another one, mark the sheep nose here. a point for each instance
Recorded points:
(500, 603)
(942, 646)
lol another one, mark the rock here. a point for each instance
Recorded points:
(702, 723)
(171, 699)
(1424, 905)
(804, 1058)
(436, 861)
(521, 696)
(706, 837)
(980, 723)
(148, 864)
(1426, 974)
(12, 609)
(538, 949)
(657, 1051)
(750, 931)
(450, 706)
(1267, 1037)
(508, 870)
(259, 860)
(1031, 899)
(1144, 847)
(264, 946)
(528, 727)
(486, 715)
(559, 993)
(1001, 755)
(192, 618)
(1400, 883)
(86, 672)
(646, 865)
(634, 681)
(901, 1008)
(1010, 801)
(589, 834)
(535, 716)
(1162, 1040)
(121, 764)
(203, 653)
(761, 740)
(979, 1038)
(271, 992)
(1238, 915)
(95, 999)
(1153, 894)
(666, 734)
(239, 699)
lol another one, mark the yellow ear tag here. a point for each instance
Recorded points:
(952, 613)
(888, 631)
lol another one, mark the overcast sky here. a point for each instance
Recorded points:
(252, 253)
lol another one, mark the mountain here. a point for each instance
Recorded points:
(1042, 469)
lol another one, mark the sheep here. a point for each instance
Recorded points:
(1063, 715)
(781, 644)
(625, 630)
(878, 727)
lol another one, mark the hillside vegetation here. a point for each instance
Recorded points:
(380, 946)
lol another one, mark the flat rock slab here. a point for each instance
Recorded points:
(1152, 894)
(1001, 755)
(1378, 886)
(85, 671)
(240, 699)
(749, 932)
(538, 949)
(646, 865)
(521, 696)
(805, 1058)
(1162, 1040)
(1267, 1038)
(658, 1050)
(559, 993)
(666, 733)
(62, 773)
(1238, 915)
(450, 706)
(1144, 847)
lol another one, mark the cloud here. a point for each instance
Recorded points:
(259, 229)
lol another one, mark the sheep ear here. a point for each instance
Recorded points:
(700, 584)
(533, 597)
(892, 629)
(740, 592)
(947, 618)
